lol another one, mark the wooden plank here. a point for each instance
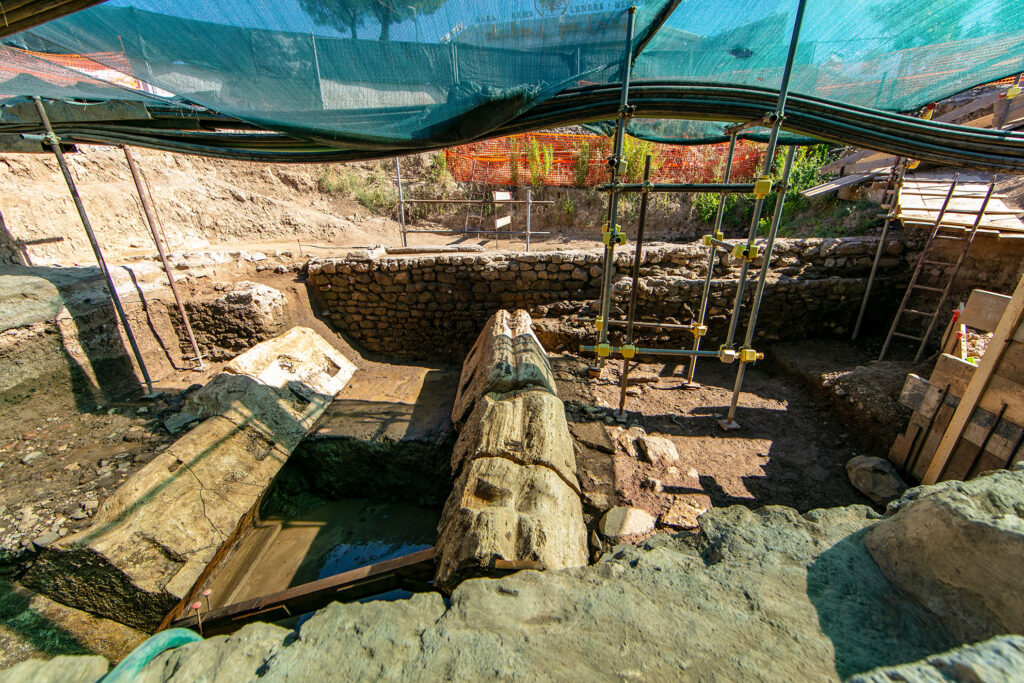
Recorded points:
(926, 454)
(984, 309)
(999, 391)
(1012, 367)
(833, 185)
(953, 372)
(977, 388)
(915, 389)
(347, 586)
(502, 222)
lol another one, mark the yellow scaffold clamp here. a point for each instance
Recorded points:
(700, 330)
(599, 322)
(750, 355)
(717, 236)
(762, 186)
(741, 251)
(627, 351)
(1012, 91)
(914, 163)
(610, 238)
(603, 350)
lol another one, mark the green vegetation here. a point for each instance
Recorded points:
(634, 151)
(541, 159)
(826, 217)
(568, 208)
(375, 191)
(582, 154)
(513, 161)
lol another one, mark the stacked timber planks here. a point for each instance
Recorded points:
(969, 418)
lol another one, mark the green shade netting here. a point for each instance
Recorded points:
(388, 75)
(369, 74)
(893, 55)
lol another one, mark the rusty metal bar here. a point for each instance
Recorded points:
(150, 211)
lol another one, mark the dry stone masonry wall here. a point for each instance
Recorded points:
(431, 307)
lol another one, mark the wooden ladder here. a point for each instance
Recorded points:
(924, 296)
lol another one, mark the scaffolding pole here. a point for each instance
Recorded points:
(747, 353)
(401, 201)
(149, 211)
(611, 234)
(700, 329)
(895, 180)
(638, 255)
(54, 143)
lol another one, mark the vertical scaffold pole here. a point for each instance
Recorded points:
(529, 211)
(401, 201)
(762, 276)
(895, 180)
(611, 234)
(638, 255)
(54, 143)
(769, 162)
(712, 255)
(149, 211)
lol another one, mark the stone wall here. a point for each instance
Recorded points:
(432, 307)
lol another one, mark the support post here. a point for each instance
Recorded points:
(712, 254)
(149, 211)
(54, 143)
(638, 255)
(895, 178)
(529, 210)
(612, 234)
(730, 420)
(401, 201)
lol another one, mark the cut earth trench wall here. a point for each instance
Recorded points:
(431, 307)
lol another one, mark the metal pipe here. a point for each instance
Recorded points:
(657, 352)
(149, 211)
(712, 254)
(769, 161)
(614, 161)
(898, 176)
(638, 323)
(54, 144)
(529, 210)
(401, 201)
(732, 188)
(755, 308)
(638, 255)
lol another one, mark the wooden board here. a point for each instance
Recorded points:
(833, 185)
(502, 196)
(984, 309)
(502, 222)
(921, 198)
(953, 372)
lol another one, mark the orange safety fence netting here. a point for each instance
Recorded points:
(580, 160)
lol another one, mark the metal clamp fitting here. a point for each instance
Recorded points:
(610, 238)
(700, 330)
(599, 322)
(914, 163)
(646, 186)
(762, 186)
(726, 355)
(750, 355)
(51, 139)
(1012, 91)
(627, 351)
(603, 350)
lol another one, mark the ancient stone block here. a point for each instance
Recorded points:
(154, 537)
(506, 356)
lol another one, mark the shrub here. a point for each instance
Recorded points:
(513, 160)
(375, 191)
(634, 151)
(582, 154)
(541, 159)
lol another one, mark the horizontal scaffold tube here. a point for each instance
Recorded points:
(737, 188)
